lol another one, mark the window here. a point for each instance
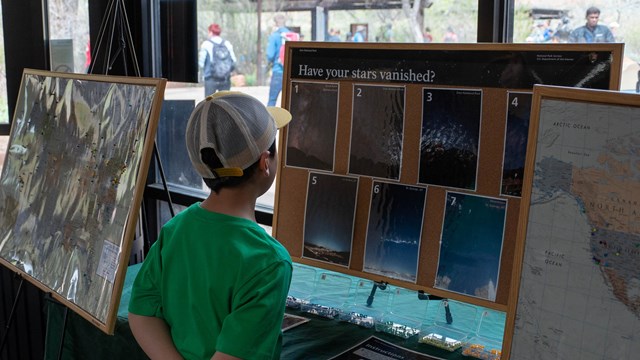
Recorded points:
(438, 21)
(4, 106)
(546, 21)
(69, 35)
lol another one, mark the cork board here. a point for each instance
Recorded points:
(427, 118)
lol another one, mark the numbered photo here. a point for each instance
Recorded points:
(311, 136)
(377, 128)
(471, 245)
(329, 218)
(515, 142)
(450, 141)
(394, 230)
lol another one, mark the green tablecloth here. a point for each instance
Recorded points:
(321, 338)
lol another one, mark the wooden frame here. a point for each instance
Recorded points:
(72, 184)
(576, 132)
(493, 69)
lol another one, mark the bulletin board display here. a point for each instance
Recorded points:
(72, 184)
(404, 162)
(577, 259)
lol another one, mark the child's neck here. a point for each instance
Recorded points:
(234, 202)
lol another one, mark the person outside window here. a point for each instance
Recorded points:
(450, 36)
(591, 32)
(426, 35)
(334, 35)
(215, 283)
(359, 35)
(216, 64)
(273, 58)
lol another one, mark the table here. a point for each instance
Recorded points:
(320, 338)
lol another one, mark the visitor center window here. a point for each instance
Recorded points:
(69, 35)
(584, 21)
(248, 32)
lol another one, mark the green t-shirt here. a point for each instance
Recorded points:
(220, 283)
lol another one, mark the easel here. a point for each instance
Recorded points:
(115, 26)
(11, 314)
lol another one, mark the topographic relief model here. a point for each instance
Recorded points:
(580, 286)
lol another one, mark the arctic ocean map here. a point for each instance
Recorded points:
(580, 285)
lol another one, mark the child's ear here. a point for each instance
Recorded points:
(264, 161)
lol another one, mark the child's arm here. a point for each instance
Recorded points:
(153, 336)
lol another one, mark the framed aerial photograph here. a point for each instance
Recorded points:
(450, 141)
(72, 184)
(311, 138)
(394, 230)
(329, 218)
(515, 142)
(471, 245)
(377, 131)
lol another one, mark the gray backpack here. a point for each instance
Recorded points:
(222, 64)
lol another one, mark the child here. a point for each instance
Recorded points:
(214, 284)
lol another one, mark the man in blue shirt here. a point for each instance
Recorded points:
(591, 32)
(273, 58)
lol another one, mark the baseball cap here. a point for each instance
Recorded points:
(237, 126)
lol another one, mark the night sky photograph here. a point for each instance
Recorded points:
(329, 217)
(450, 137)
(394, 230)
(515, 143)
(376, 131)
(471, 245)
(311, 134)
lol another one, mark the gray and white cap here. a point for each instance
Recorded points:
(237, 126)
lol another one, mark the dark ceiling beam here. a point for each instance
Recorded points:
(306, 5)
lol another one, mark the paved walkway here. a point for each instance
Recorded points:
(197, 92)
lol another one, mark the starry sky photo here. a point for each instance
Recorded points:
(311, 134)
(471, 244)
(450, 137)
(329, 217)
(394, 230)
(515, 143)
(377, 130)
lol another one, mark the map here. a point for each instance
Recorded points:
(580, 285)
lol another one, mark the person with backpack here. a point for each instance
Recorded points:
(216, 60)
(274, 44)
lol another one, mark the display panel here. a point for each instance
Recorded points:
(485, 76)
(72, 183)
(577, 258)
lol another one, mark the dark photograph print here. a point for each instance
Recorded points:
(471, 245)
(311, 136)
(394, 230)
(515, 142)
(450, 137)
(329, 218)
(376, 131)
